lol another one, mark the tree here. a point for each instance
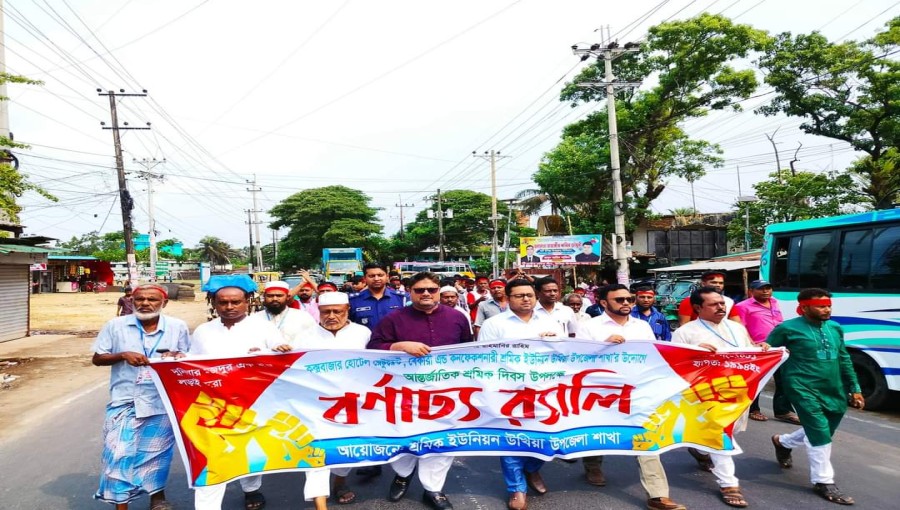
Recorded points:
(686, 66)
(329, 217)
(216, 251)
(846, 91)
(796, 197)
(14, 184)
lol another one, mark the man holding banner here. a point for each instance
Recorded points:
(521, 322)
(415, 330)
(617, 325)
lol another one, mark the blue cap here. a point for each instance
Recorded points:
(758, 284)
(241, 281)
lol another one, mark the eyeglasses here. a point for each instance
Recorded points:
(522, 296)
(423, 290)
(623, 300)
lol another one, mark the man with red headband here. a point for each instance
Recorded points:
(715, 280)
(494, 306)
(644, 310)
(478, 295)
(816, 378)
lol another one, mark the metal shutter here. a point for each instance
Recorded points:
(13, 301)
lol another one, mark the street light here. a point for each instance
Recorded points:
(747, 199)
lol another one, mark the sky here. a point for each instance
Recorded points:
(388, 97)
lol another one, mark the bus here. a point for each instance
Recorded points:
(857, 258)
(440, 268)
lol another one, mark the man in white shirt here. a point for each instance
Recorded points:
(616, 325)
(521, 322)
(712, 332)
(293, 323)
(548, 295)
(576, 302)
(233, 333)
(334, 331)
(450, 296)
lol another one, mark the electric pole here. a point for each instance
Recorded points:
(250, 231)
(402, 206)
(274, 245)
(492, 156)
(441, 214)
(125, 200)
(608, 54)
(254, 189)
(146, 174)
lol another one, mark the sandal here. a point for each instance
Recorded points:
(758, 416)
(344, 495)
(830, 492)
(782, 454)
(254, 500)
(732, 497)
(162, 505)
(788, 418)
(703, 459)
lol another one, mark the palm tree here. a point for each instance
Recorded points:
(216, 251)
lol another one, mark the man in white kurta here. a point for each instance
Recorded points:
(711, 331)
(334, 331)
(233, 333)
(291, 322)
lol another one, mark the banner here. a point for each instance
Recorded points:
(245, 415)
(560, 250)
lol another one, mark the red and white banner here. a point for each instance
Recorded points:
(274, 412)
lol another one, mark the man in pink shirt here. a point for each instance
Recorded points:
(760, 314)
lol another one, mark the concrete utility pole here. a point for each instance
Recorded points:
(4, 105)
(254, 189)
(402, 206)
(250, 231)
(608, 54)
(492, 156)
(146, 174)
(441, 214)
(125, 199)
(274, 244)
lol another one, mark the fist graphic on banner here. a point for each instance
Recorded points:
(701, 416)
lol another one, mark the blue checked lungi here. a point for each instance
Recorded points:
(137, 453)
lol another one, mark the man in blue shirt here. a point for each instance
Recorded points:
(644, 310)
(377, 299)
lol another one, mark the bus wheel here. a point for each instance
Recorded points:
(871, 380)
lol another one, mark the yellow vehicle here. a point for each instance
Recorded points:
(261, 279)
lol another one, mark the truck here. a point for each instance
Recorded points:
(340, 264)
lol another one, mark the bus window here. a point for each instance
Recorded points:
(856, 255)
(779, 272)
(886, 259)
(808, 258)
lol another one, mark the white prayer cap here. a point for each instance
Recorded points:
(333, 298)
(447, 288)
(277, 285)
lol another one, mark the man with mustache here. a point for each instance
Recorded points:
(138, 438)
(292, 323)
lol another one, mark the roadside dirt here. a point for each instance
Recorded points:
(54, 364)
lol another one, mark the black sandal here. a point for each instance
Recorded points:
(703, 459)
(830, 492)
(254, 500)
(782, 454)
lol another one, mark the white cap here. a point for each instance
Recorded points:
(333, 298)
(447, 288)
(277, 285)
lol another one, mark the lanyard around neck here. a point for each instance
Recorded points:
(730, 332)
(140, 327)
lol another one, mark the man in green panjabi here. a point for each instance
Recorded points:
(818, 376)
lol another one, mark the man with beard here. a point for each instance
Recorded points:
(816, 378)
(496, 305)
(292, 323)
(616, 325)
(645, 298)
(233, 333)
(712, 332)
(137, 435)
(415, 330)
(334, 331)
(520, 322)
(478, 295)
(450, 296)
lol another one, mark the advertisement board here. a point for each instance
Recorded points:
(560, 250)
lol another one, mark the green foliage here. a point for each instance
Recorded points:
(686, 67)
(329, 217)
(791, 198)
(216, 251)
(846, 91)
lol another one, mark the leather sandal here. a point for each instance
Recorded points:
(732, 497)
(830, 492)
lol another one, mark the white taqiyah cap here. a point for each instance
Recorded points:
(277, 285)
(333, 298)
(447, 288)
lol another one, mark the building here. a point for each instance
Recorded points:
(677, 239)
(17, 256)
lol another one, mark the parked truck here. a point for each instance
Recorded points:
(340, 264)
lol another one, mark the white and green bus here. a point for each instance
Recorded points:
(857, 258)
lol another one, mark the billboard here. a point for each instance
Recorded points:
(560, 250)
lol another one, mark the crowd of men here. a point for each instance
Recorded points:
(422, 312)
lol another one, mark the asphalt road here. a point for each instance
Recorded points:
(56, 467)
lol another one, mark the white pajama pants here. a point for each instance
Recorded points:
(432, 470)
(210, 498)
(318, 482)
(820, 469)
(723, 469)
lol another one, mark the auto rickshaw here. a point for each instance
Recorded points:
(262, 278)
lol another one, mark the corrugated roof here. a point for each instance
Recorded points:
(71, 257)
(19, 248)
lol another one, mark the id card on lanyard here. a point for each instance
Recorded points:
(144, 373)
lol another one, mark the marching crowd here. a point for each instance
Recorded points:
(380, 311)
